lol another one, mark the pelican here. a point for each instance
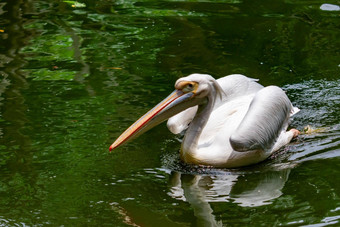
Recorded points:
(230, 122)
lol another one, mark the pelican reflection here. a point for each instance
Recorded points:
(246, 190)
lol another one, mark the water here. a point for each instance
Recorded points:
(74, 75)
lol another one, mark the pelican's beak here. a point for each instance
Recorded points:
(176, 102)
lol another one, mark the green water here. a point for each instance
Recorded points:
(74, 75)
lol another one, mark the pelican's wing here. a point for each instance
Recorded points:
(267, 116)
(181, 121)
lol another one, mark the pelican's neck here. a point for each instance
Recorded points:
(192, 135)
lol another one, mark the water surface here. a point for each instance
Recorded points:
(74, 75)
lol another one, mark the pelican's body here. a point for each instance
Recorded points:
(229, 122)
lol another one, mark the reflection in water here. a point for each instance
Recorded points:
(13, 110)
(193, 191)
(246, 190)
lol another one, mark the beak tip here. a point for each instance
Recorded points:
(114, 146)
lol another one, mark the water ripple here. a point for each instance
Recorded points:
(319, 101)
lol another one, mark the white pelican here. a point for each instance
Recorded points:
(229, 122)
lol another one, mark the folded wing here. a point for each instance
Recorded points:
(267, 116)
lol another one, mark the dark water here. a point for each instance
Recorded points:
(74, 75)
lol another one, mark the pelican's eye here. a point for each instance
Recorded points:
(187, 86)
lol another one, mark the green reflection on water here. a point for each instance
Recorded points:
(72, 79)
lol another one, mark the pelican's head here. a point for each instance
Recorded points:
(189, 91)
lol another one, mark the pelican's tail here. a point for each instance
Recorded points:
(295, 110)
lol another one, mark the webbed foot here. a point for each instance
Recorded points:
(295, 132)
